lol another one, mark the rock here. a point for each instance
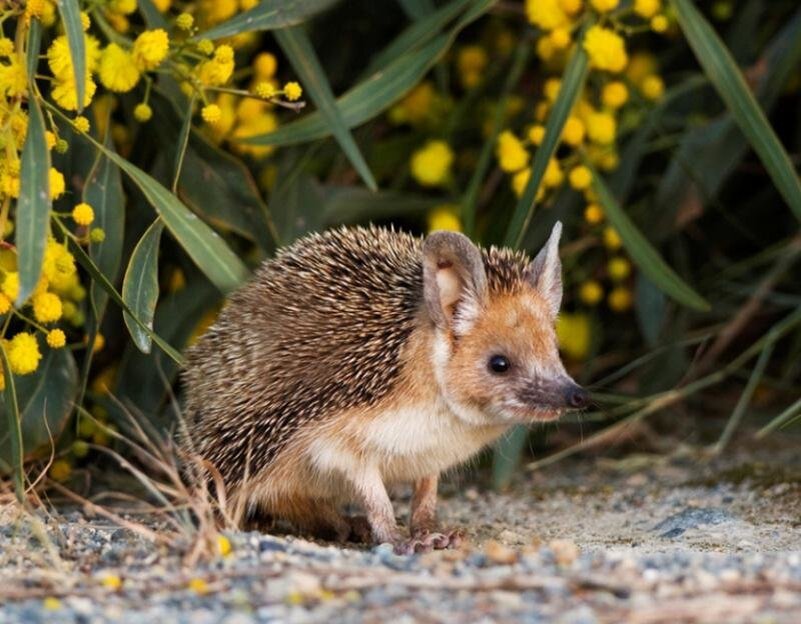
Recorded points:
(499, 554)
(385, 554)
(674, 532)
(510, 537)
(269, 544)
(565, 552)
(691, 518)
(471, 494)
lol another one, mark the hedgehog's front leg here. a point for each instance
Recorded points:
(423, 521)
(423, 518)
(380, 514)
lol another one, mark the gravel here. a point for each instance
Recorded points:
(579, 543)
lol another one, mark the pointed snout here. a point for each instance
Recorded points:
(576, 397)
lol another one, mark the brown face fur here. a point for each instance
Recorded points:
(518, 326)
(497, 307)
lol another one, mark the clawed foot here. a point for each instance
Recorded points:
(425, 541)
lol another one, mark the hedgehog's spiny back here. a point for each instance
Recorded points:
(319, 329)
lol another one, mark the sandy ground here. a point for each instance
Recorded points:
(644, 538)
(645, 503)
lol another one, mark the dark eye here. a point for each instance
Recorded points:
(499, 364)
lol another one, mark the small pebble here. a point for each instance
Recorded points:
(564, 551)
(498, 553)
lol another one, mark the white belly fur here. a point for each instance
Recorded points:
(405, 444)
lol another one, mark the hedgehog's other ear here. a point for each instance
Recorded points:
(453, 271)
(545, 271)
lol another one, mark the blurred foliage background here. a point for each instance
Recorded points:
(153, 152)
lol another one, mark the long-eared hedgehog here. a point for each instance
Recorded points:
(362, 357)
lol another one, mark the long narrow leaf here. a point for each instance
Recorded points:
(385, 86)
(91, 268)
(45, 400)
(724, 74)
(709, 154)
(203, 245)
(268, 15)
(786, 417)
(14, 428)
(33, 46)
(140, 288)
(141, 378)
(296, 45)
(183, 142)
(416, 9)
(351, 204)
(103, 191)
(216, 185)
(745, 398)
(642, 252)
(419, 33)
(364, 101)
(33, 207)
(569, 92)
(506, 456)
(71, 18)
(153, 18)
(470, 197)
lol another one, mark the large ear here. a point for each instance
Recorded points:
(453, 270)
(545, 271)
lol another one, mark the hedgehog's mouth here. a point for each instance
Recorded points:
(547, 414)
(528, 414)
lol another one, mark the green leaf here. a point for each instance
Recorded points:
(296, 45)
(416, 9)
(418, 34)
(33, 46)
(71, 19)
(267, 15)
(140, 287)
(470, 197)
(203, 245)
(745, 398)
(362, 102)
(709, 154)
(300, 198)
(143, 380)
(182, 144)
(86, 262)
(622, 180)
(787, 416)
(216, 185)
(732, 88)
(14, 433)
(33, 206)
(651, 309)
(153, 18)
(103, 191)
(379, 91)
(506, 456)
(571, 87)
(45, 401)
(351, 204)
(642, 252)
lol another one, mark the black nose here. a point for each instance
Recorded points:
(577, 397)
